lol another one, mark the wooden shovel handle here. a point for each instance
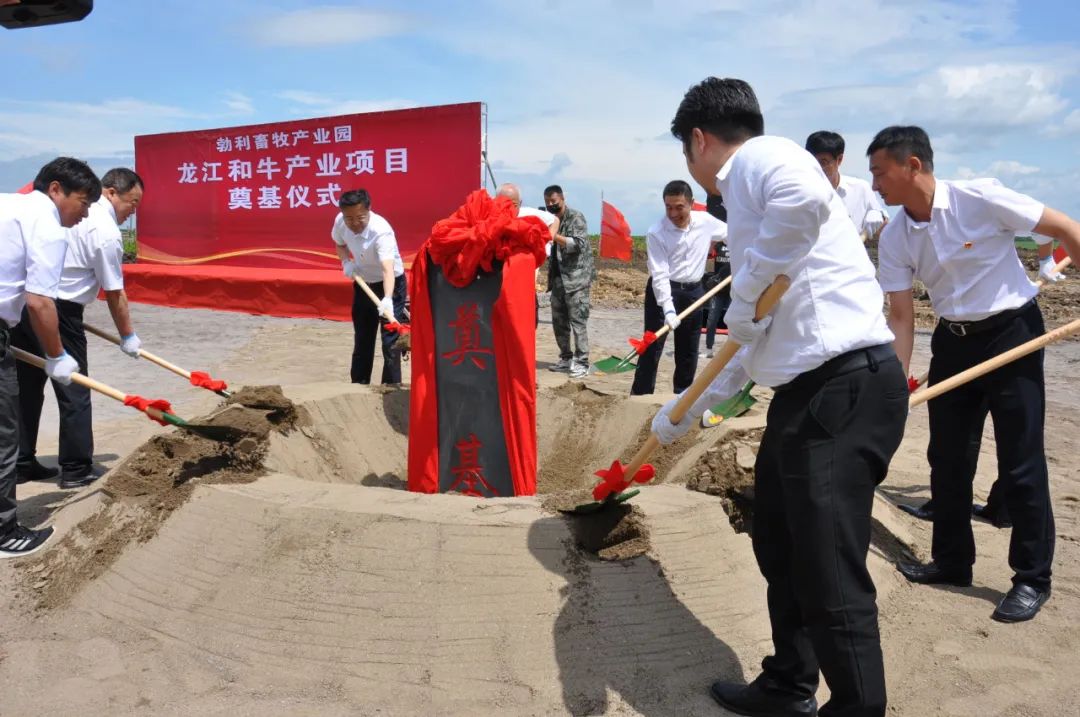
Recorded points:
(696, 305)
(712, 369)
(142, 352)
(371, 295)
(84, 381)
(991, 364)
(921, 381)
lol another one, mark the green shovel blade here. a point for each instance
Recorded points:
(735, 406)
(614, 364)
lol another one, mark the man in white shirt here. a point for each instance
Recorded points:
(677, 248)
(958, 239)
(32, 249)
(863, 205)
(835, 420)
(94, 262)
(367, 247)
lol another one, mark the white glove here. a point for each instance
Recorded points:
(349, 267)
(1046, 270)
(672, 320)
(130, 345)
(59, 369)
(724, 386)
(740, 321)
(386, 305)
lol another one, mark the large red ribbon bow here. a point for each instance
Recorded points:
(613, 479)
(144, 403)
(640, 345)
(203, 380)
(399, 328)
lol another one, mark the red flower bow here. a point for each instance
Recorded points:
(613, 479)
(912, 384)
(142, 404)
(640, 345)
(203, 380)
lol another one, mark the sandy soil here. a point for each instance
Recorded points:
(296, 576)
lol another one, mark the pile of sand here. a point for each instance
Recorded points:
(155, 480)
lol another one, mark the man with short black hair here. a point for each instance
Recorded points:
(958, 238)
(836, 417)
(570, 276)
(94, 260)
(367, 247)
(32, 249)
(863, 206)
(678, 248)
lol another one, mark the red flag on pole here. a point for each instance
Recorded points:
(27, 189)
(1060, 254)
(699, 207)
(615, 241)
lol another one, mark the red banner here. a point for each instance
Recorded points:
(615, 241)
(266, 195)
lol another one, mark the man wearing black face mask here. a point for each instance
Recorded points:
(570, 275)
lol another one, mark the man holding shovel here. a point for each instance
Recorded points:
(94, 262)
(367, 247)
(835, 420)
(678, 248)
(957, 237)
(32, 249)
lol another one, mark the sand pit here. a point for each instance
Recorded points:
(296, 575)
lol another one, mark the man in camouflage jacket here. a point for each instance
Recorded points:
(570, 275)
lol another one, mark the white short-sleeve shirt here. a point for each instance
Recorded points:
(784, 217)
(966, 254)
(371, 247)
(676, 254)
(862, 202)
(32, 248)
(95, 256)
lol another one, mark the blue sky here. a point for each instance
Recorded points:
(578, 93)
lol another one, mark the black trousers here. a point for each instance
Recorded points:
(9, 432)
(687, 341)
(1015, 397)
(76, 419)
(718, 306)
(829, 438)
(365, 318)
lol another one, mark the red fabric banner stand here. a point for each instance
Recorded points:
(483, 238)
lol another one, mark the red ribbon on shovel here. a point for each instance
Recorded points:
(646, 340)
(140, 403)
(613, 479)
(202, 379)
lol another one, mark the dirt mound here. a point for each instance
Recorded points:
(727, 470)
(155, 480)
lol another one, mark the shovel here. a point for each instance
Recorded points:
(158, 410)
(403, 342)
(615, 364)
(197, 378)
(914, 384)
(617, 478)
(931, 392)
(733, 407)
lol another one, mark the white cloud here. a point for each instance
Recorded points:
(991, 96)
(318, 26)
(309, 103)
(239, 103)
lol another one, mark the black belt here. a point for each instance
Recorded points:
(869, 357)
(685, 285)
(966, 328)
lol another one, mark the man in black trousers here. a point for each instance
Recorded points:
(957, 237)
(678, 248)
(834, 422)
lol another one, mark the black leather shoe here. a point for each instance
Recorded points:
(922, 512)
(754, 701)
(933, 574)
(1021, 603)
(34, 471)
(77, 480)
(999, 518)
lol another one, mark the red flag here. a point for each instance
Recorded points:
(615, 241)
(1060, 254)
(699, 207)
(27, 189)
